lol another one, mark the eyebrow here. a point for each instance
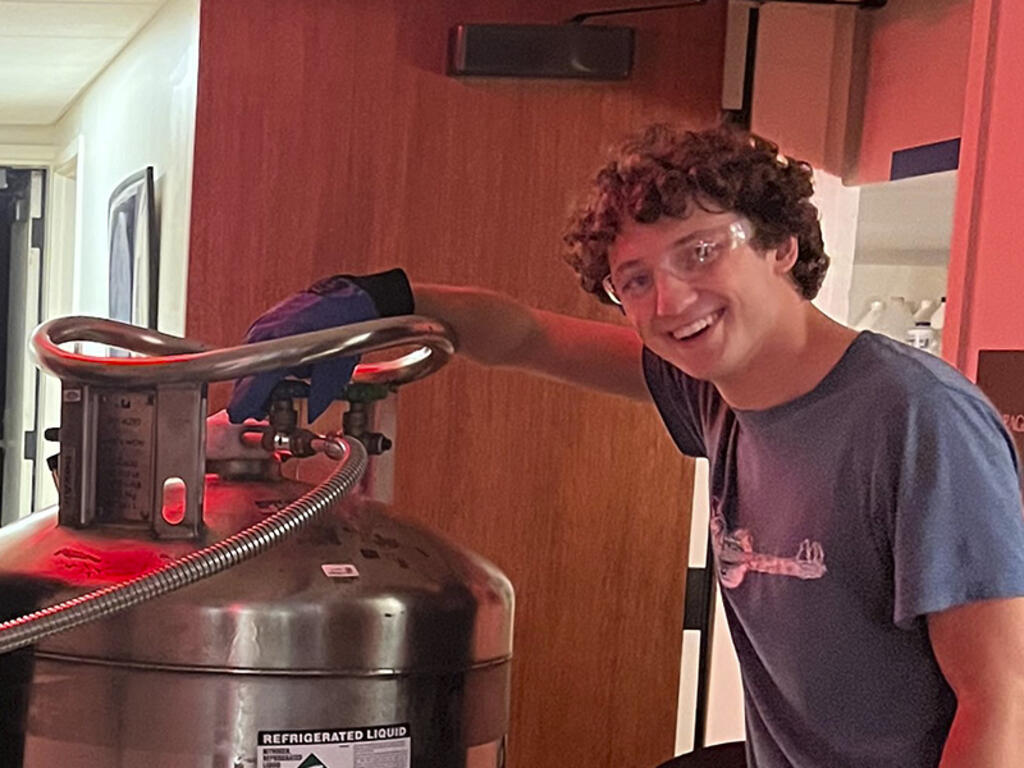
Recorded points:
(626, 265)
(681, 241)
(699, 233)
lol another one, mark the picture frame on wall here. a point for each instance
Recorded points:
(133, 276)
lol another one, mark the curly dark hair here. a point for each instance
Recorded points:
(663, 172)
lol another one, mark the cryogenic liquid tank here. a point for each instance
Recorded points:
(188, 607)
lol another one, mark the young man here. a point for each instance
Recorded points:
(866, 512)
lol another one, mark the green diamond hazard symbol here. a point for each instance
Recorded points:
(312, 762)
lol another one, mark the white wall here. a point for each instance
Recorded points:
(140, 111)
(26, 134)
(839, 210)
(26, 145)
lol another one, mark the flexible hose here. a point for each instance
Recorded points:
(195, 566)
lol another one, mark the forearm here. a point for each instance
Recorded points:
(988, 733)
(492, 328)
(495, 329)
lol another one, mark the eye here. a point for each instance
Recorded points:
(703, 252)
(635, 285)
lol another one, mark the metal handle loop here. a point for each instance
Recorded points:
(174, 360)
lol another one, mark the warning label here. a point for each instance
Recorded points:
(340, 570)
(375, 746)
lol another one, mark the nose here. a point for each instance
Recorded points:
(672, 294)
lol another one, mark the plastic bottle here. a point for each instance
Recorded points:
(925, 310)
(869, 320)
(937, 320)
(921, 336)
(896, 319)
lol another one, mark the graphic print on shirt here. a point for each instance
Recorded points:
(735, 555)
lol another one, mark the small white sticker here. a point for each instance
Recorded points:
(377, 746)
(72, 395)
(340, 570)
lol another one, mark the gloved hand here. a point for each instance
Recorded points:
(333, 301)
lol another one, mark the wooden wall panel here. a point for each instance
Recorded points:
(328, 139)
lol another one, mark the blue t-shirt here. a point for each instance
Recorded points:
(839, 521)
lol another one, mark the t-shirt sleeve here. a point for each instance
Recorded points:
(957, 527)
(678, 400)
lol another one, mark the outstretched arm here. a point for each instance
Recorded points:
(495, 329)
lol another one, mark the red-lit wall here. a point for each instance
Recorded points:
(845, 88)
(328, 139)
(986, 276)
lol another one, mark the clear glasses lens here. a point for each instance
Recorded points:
(690, 259)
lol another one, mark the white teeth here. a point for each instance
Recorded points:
(695, 327)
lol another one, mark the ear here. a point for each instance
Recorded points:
(784, 256)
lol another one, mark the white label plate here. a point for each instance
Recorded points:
(340, 570)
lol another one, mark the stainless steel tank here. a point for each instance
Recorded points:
(363, 641)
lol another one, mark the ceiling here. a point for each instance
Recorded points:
(49, 51)
(909, 221)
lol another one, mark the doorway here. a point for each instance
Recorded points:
(22, 232)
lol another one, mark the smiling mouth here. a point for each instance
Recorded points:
(697, 328)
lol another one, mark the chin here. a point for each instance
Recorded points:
(712, 357)
(695, 369)
(703, 373)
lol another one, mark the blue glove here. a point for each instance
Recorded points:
(334, 301)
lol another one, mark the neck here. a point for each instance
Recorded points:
(801, 350)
